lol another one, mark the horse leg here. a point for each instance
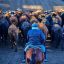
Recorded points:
(39, 56)
(28, 56)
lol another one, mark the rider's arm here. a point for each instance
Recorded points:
(43, 37)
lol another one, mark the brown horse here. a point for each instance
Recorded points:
(34, 56)
(13, 31)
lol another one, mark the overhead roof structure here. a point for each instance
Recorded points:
(32, 7)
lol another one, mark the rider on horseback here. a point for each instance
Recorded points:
(36, 38)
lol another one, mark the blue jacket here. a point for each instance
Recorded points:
(35, 36)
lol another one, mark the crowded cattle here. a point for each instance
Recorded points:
(14, 26)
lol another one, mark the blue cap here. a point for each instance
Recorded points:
(35, 25)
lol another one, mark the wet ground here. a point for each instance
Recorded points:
(8, 56)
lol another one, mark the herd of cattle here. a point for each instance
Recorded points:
(14, 26)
